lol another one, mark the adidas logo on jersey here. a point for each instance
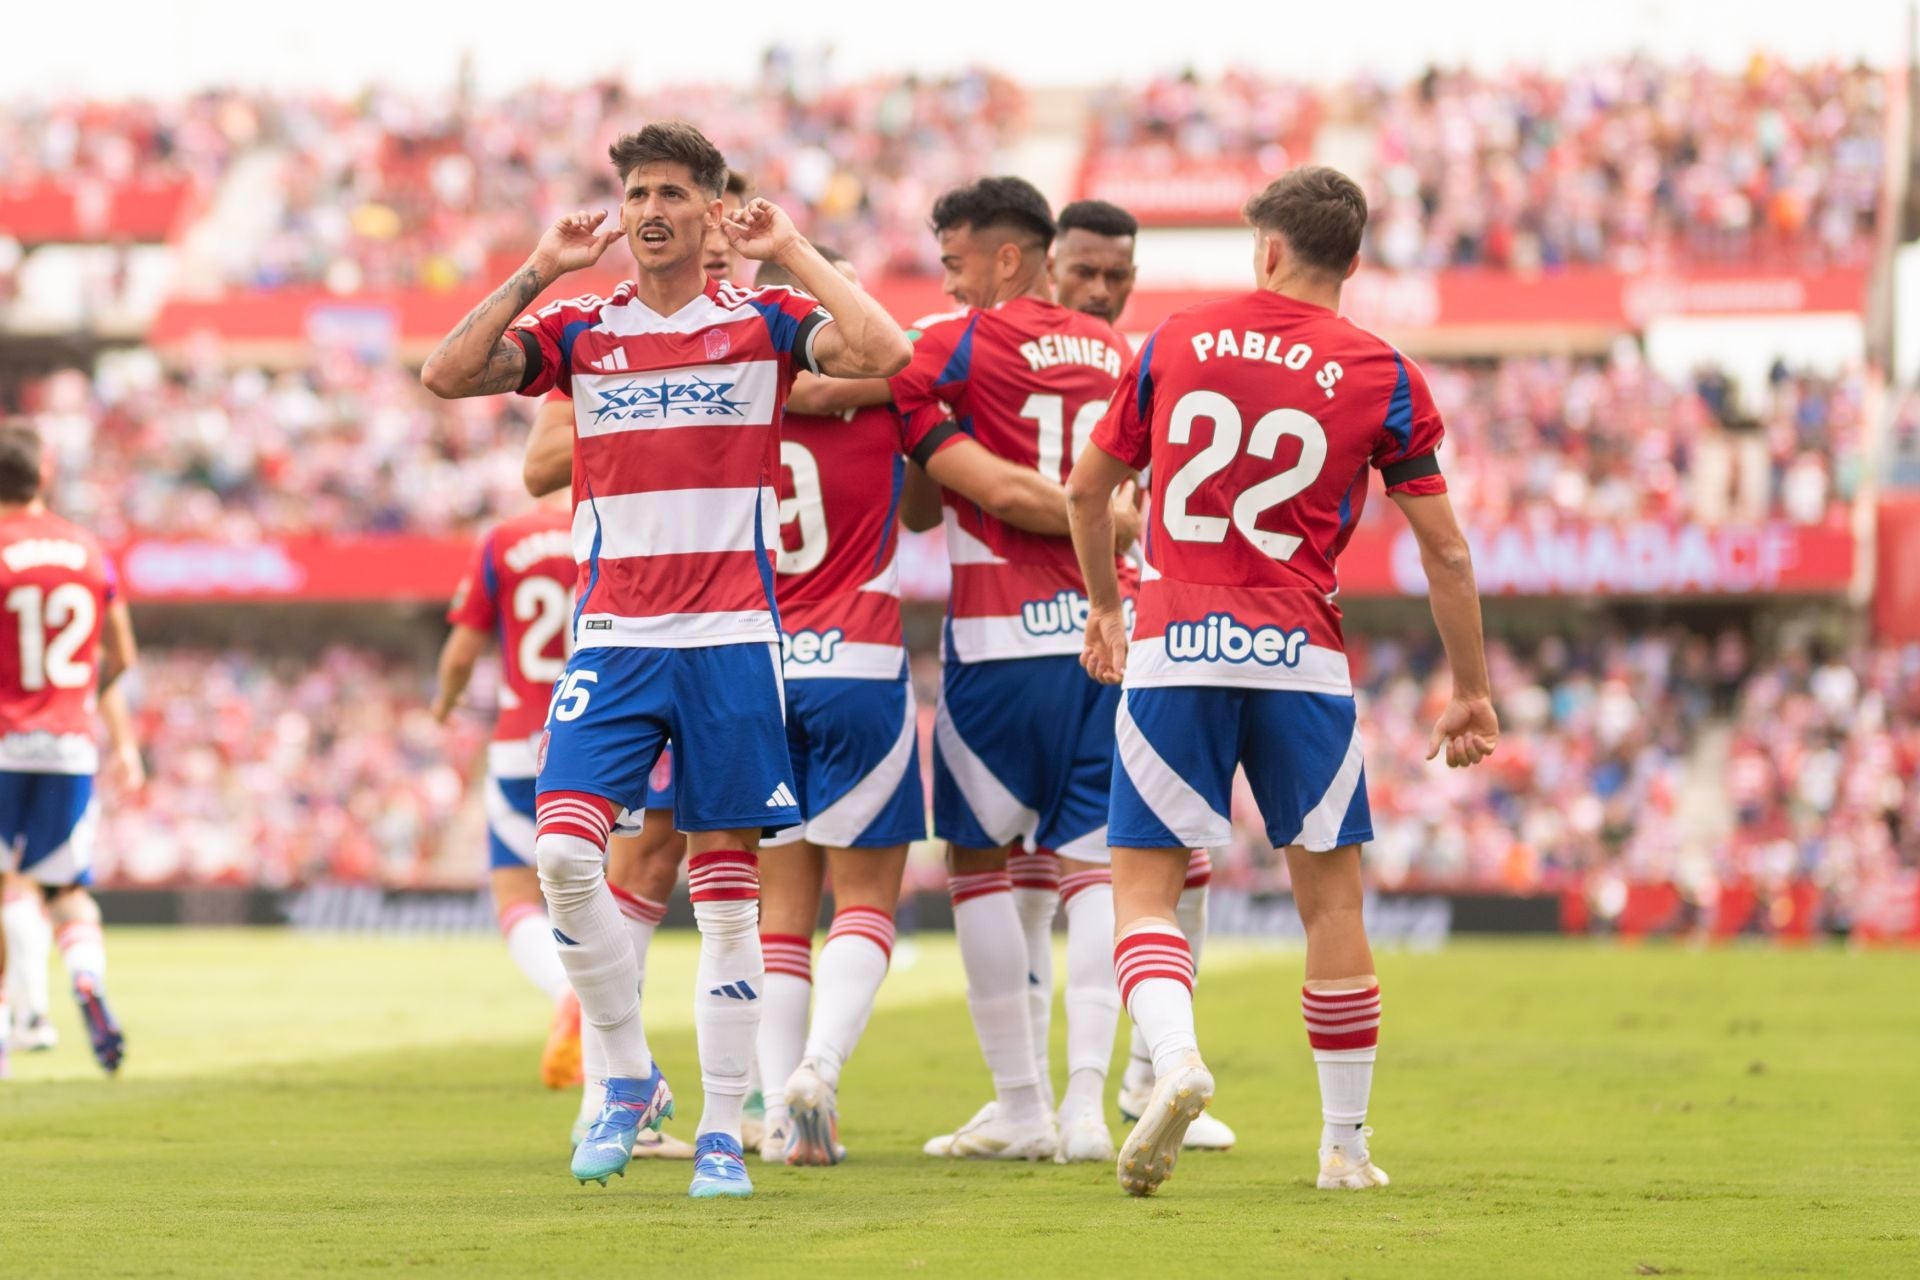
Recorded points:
(614, 361)
(735, 991)
(782, 798)
(1222, 638)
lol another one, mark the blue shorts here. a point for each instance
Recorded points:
(1023, 749)
(723, 708)
(855, 747)
(510, 813)
(48, 824)
(1178, 747)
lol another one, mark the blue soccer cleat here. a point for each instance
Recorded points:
(632, 1105)
(718, 1169)
(109, 1045)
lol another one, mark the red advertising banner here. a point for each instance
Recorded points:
(84, 211)
(1163, 189)
(398, 567)
(1402, 305)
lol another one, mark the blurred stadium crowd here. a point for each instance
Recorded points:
(1695, 756)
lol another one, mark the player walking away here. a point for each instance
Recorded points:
(519, 588)
(69, 636)
(1260, 415)
(1093, 272)
(852, 734)
(678, 384)
(1022, 739)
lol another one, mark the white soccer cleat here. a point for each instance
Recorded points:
(988, 1137)
(776, 1133)
(815, 1118)
(652, 1144)
(1147, 1156)
(35, 1034)
(1344, 1170)
(942, 1146)
(1207, 1133)
(1134, 1095)
(1083, 1137)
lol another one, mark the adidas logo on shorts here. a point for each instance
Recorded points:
(781, 798)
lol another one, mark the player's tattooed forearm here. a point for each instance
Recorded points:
(511, 298)
(506, 367)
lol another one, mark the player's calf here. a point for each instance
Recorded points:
(1343, 1027)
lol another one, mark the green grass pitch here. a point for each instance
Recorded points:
(298, 1104)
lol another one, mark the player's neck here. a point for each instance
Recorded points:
(665, 292)
(1033, 286)
(1302, 287)
(8, 510)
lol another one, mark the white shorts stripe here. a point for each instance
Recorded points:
(514, 829)
(1321, 830)
(842, 822)
(1091, 847)
(998, 810)
(1180, 808)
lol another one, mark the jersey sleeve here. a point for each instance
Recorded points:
(1125, 430)
(110, 589)
(935, 377)
(794, 321)
(543, 336)
(1406, 455)
(475, 602)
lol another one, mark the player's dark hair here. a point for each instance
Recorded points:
(20, 462)
(739, 184)
(1012, 203)
(1099, 217)
(1321, 213)
(676, 142)
(772, 273)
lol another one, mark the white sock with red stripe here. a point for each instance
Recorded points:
(530, 943)
(1343, 1026)
(570, 848)
(1154, 967)
(1191, 912)
(783, 1022)
(1093, 999)
(1036, 899)
(853, 963)
(82, 950)
(728, 995)
(995, 956)
(640, 916)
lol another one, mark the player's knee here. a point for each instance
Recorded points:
(728, 920)
(566, 861)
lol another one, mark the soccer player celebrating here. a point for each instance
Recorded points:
(1093, 272)
(1260, 415)
(1023, 741)
(70, 637)
(852, 733)
(678, 384)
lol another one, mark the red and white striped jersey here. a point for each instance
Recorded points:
(56, 585)
(676, 446)
(1027, 380)
(520, 586)
(1261, 416)
(838, 583)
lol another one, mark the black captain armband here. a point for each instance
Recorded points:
(810, 326)
(530, 345)
(1410, 469)
(931, 442)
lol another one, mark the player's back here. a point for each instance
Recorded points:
(56, 585)
(1260, 416)
(1027, 380)
(521, 588)
(837, 582)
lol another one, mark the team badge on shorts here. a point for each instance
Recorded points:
(718, 344)
(540, 753)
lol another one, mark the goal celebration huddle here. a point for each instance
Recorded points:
(701, 634)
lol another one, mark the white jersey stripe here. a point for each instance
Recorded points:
(676, 522)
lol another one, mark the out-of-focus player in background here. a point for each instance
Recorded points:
(519, 590)
(678, 384)
(1022, 740)
(1261, 416)
(1093, 272)
(67, 636)
(852, 734)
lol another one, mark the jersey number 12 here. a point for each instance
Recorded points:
(68, 613)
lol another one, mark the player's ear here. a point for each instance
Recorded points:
(1352, 267)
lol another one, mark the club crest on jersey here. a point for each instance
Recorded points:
(638, 401)
(718, 344)
(1221, 637)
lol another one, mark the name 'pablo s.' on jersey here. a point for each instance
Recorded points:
(838, 583)
(675, 453)
(1027, 380)
(1261, 416)
(56, 584)
(520, 586)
